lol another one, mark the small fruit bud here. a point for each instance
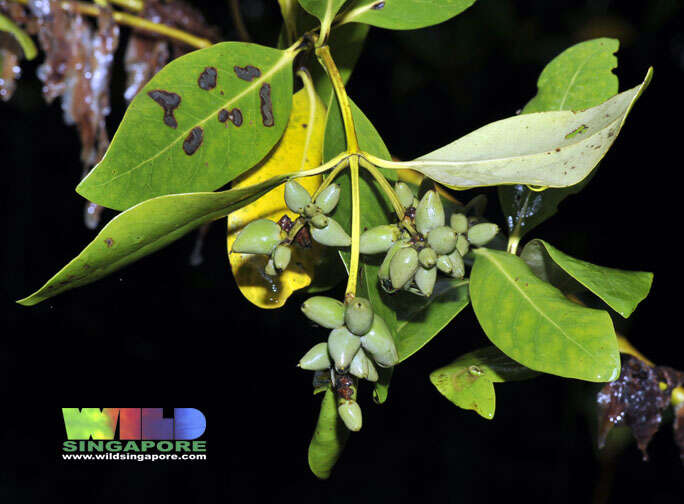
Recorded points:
(316, 359)
(459, 222)
(462, 245)
(458, 268)
(324, 311)
(363, 367)
(403, 266)
(281, 257)
(427, 258)
(270, 268)
(442, 239)
(350, 413)
(358, 315)
(310, 210)
(379, 343)
(430, 213)
(343, 346)
(319, 221)
(258, 237)
(331, 235)
(379, 239)
(425, 280)
(327, 200)
(296, 197)
(404, 194)
(481, 234)
(444, 265)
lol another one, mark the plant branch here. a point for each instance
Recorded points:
(355, 228)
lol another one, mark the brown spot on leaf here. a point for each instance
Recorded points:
(207, 79)
(266, 105)
(223, 115)
(193, 141)
(168, 102)
(109, 242)
(247, 73)
(378, 5)
(234, 115)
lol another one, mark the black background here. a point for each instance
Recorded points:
(162, 332)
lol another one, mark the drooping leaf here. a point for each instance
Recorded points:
(203, 120)
(144, 229)
(468, 382)
(621, 290)
(536, 325)
(248, 269)
(554, 149)
(26, 43)
(329, 438)
(580, 77)
(404, 14)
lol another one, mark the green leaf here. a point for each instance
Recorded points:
(404, 14)
(555, 149)
(381, 388)
(26, 43)
(329, 438)
(144, 229)
(621, 290)
(580, 77)
(155, 153)
(324, 10)
(468, 382)
(535, 324)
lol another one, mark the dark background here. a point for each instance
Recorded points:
(163, 332)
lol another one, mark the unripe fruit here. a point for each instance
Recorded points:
(316, 359)
(310, 210)
(358, 315)
(296, 197)
(458, 268)
(258, 237)
(319, 221)
(481, 234)
(379, 343)
(331, 235)
(327, 200)
(379, 239)
(403, 266)
(281, 257)
(383, 272)
(350, 413)
(444, 264)
(442, 240)
(324, 311)
(342, 346)
(430, 213)
(270, 269)
(404, 194)
(427, 258)
(425, 280)
(462, 245)
(459, 222)
(363, 367)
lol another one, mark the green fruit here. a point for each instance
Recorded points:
(427, 258)
(342, 346)
(363, 367)
(459, 222)
(383, 272)
(270, 268)
(350, 413)
(403, 266)
(481, 234)
(430, 213)
(324, 311)
(379, 239)
(331, 235)
(458, 268)
(404, 193)
(319, 221)
(316, 359)
(281, 257)
(379, 343)
(258, 237)
(327, 200)
(358, 315)
(425, 280)
(296, 197)
(310, 210)
(444, 264)
(442, 240)
(462, 245)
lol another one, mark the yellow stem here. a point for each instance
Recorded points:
(355, 227)
(342, 161)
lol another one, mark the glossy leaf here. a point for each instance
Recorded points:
(621, 290)
(555, 149)
(248, 269)
(329, 438)
(404, 14)
(580, 77)
(144, 229)
(468, 382)
(24, 40)
(233, 103)
(536, 325)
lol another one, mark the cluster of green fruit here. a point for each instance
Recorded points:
(412, 261)
(359, 340)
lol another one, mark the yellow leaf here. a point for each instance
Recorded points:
(248, 269)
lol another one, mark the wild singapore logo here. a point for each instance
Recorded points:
(139, 434)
